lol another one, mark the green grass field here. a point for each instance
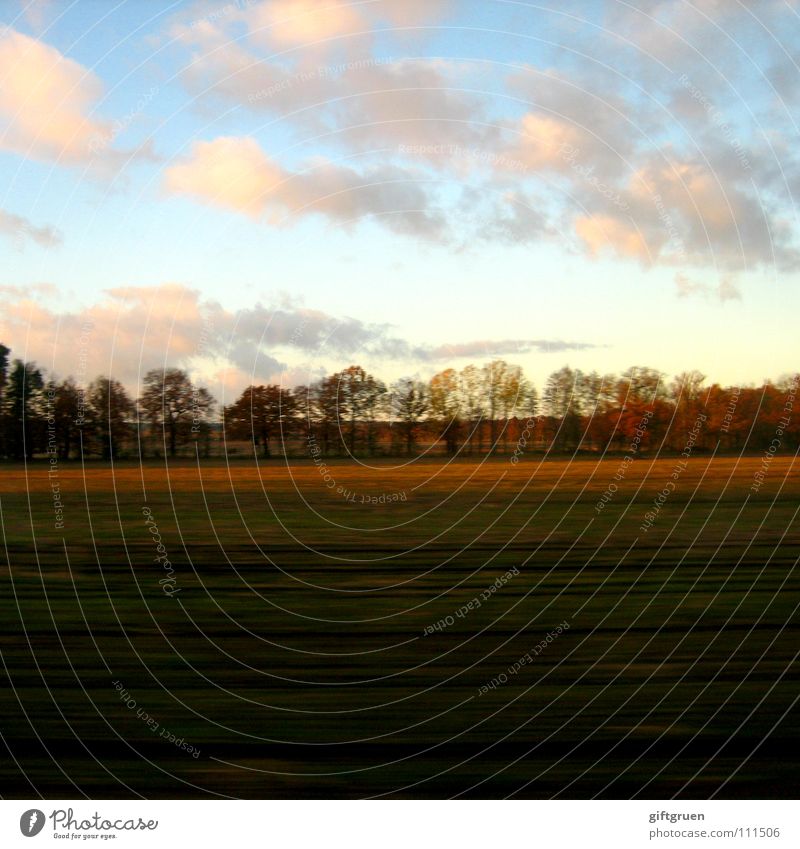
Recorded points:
(297, 654)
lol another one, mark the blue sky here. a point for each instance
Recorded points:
(595, 185)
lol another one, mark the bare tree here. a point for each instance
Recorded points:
(359, 398)
(686, 394)
(563, 402)
(473, 403)
(511, 396)
(494, 375)
(409, 403)
(641, 390)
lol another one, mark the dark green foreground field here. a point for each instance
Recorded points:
(292, 653)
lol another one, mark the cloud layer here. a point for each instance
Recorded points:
(646, 160)
(236, 174)
(679, 153)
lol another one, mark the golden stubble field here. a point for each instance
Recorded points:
(361, 630)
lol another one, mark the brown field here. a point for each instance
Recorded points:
(297, 652)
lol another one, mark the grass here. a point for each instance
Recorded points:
(293, 653)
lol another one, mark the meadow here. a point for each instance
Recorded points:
(432, 629)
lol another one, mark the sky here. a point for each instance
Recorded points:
(271, 191)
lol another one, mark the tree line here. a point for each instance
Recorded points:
(472, 411)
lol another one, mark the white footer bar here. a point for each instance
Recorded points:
(401, 824)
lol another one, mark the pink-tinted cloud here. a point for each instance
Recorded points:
(235, 174)
(725, 290)
(46, 100)
(604, 234)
